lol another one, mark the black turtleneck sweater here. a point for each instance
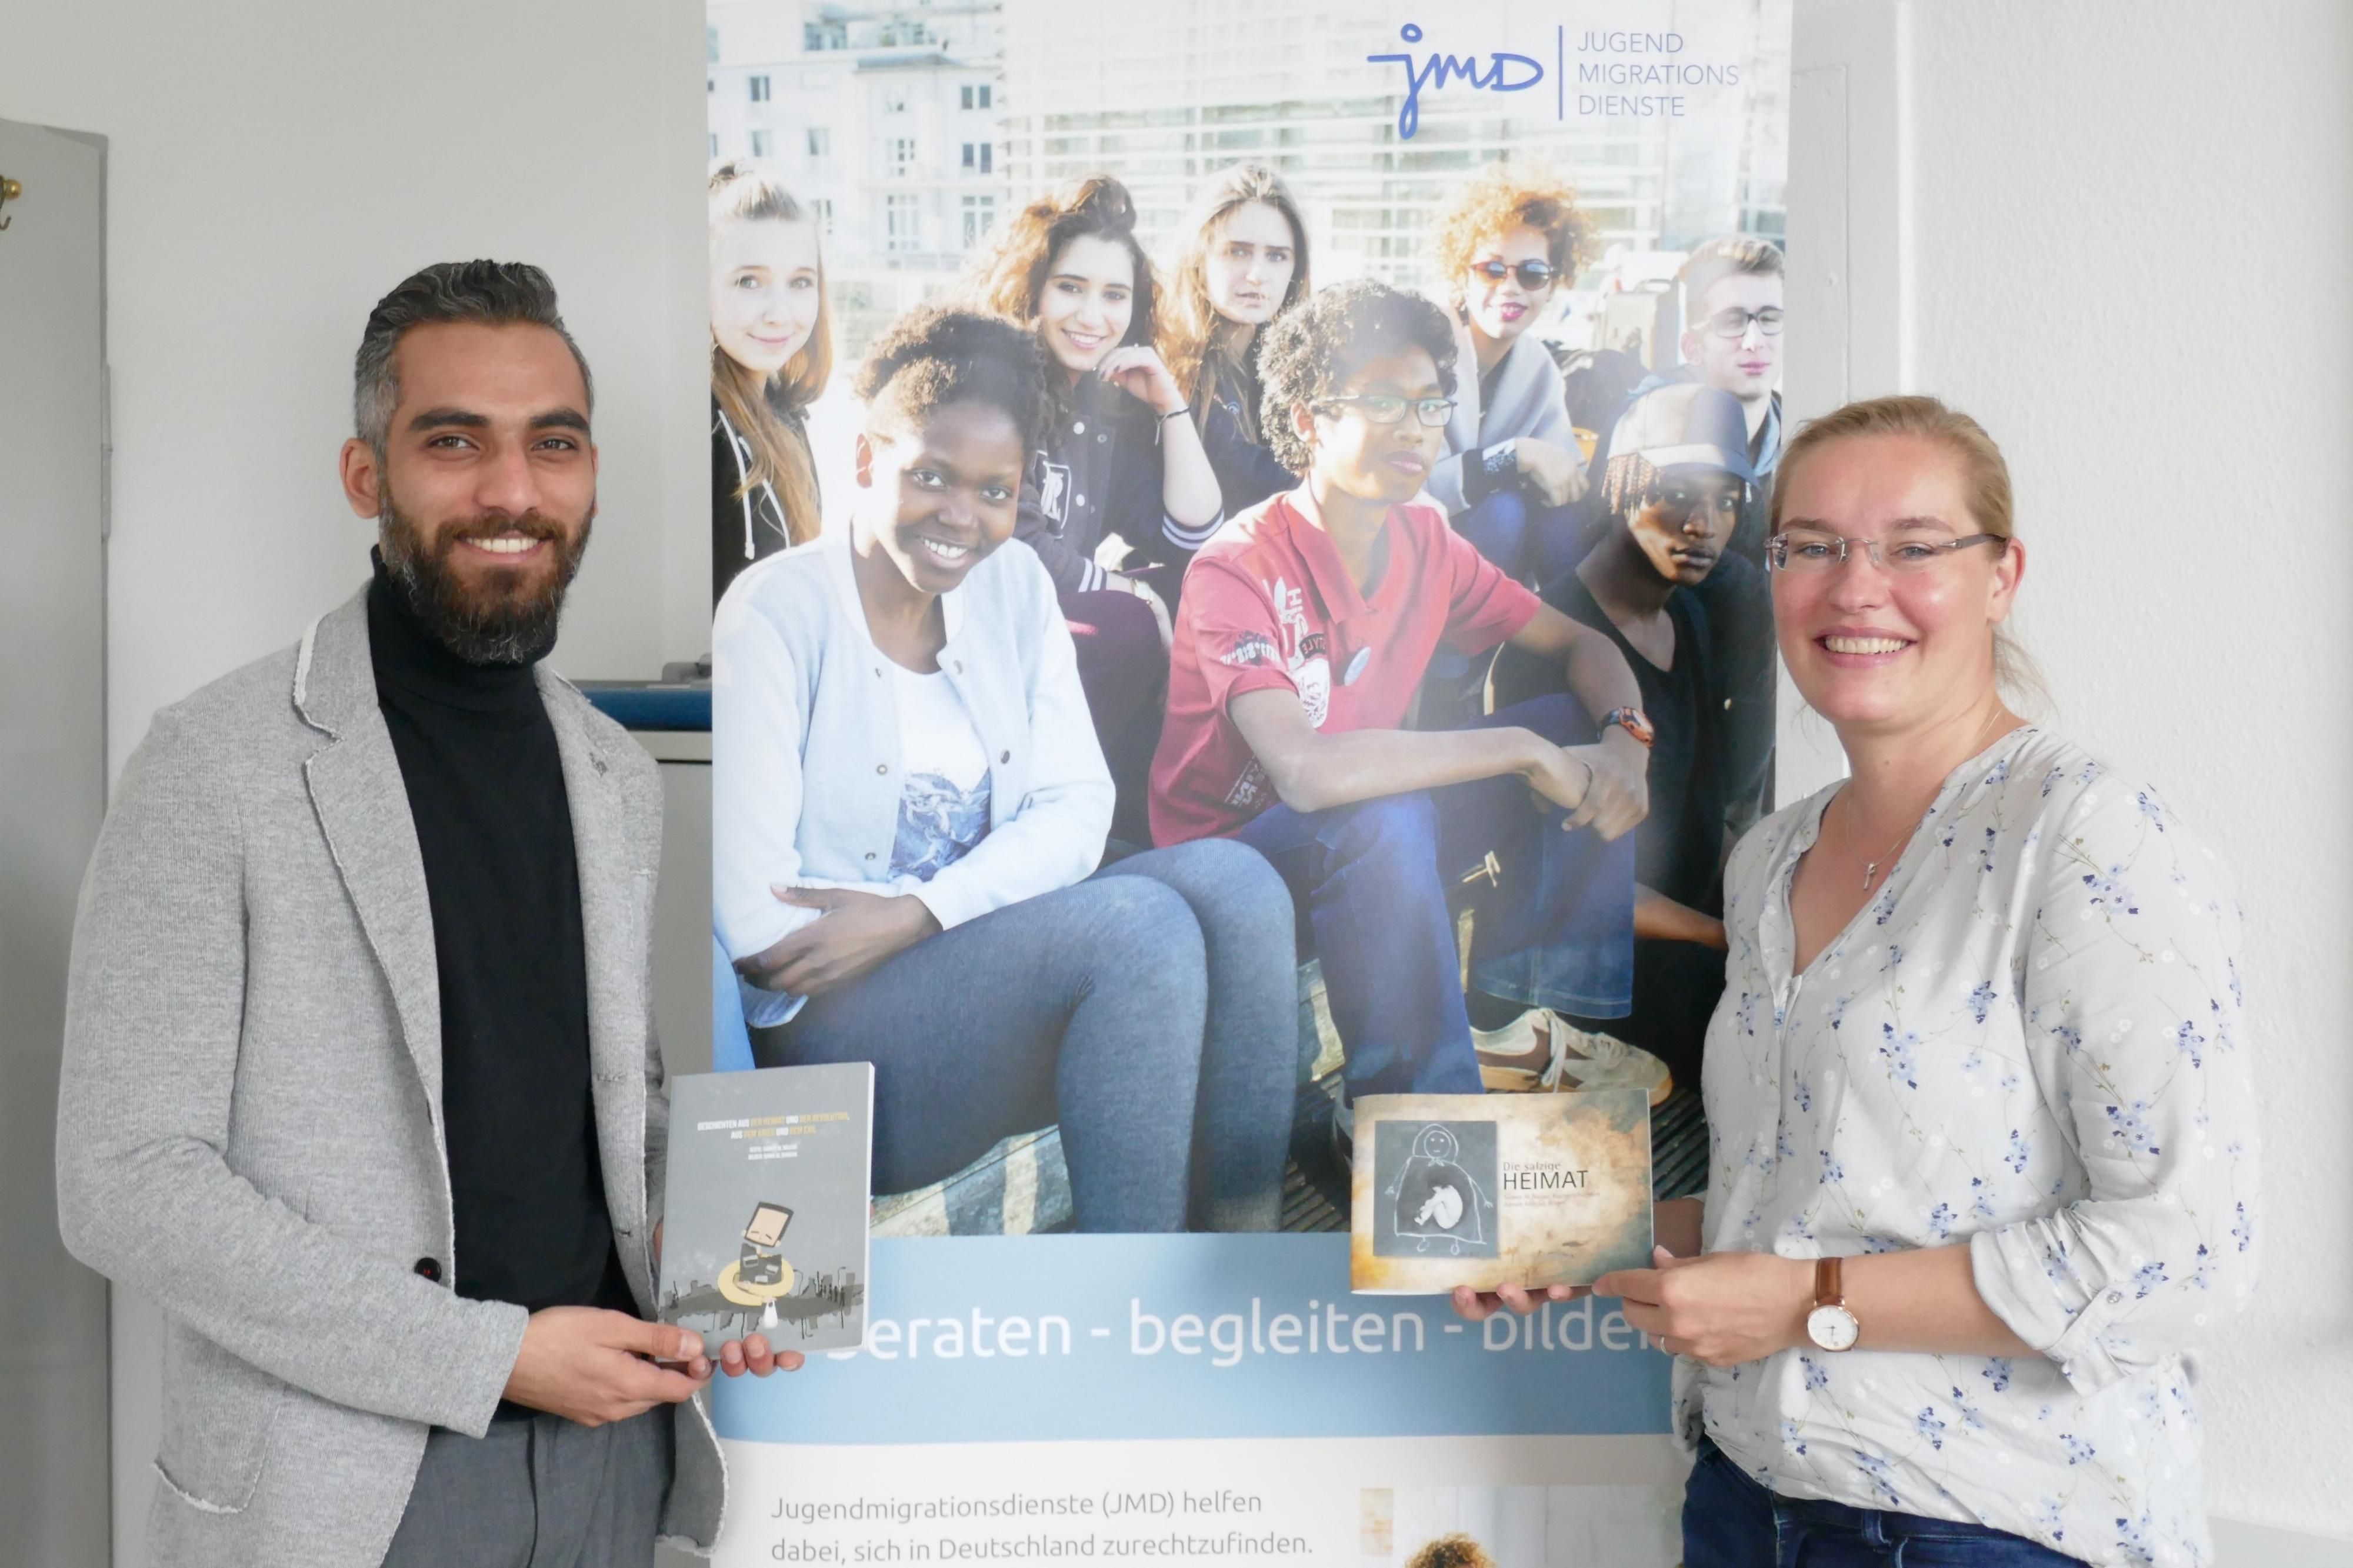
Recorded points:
(485, 785)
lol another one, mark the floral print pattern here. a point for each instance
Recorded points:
(2030, 1043)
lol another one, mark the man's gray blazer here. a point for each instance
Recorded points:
(249, 1127)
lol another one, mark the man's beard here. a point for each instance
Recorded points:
(502, 624)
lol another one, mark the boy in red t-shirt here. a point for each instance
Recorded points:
(1306, 625)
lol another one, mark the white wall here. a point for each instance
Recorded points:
(2120, 230)
(2110, 229)
(274, 167)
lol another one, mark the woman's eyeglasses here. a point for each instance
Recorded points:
(1733, 322)
(1534, 275)
(1803, 550)
(1433, 411)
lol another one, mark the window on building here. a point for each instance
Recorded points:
(968, 95)
(759, 144)
(894, 100)
(902, 155)
(901, 224)
(759, 89)
(711, 44)
(979, 155)
(979, 217)
(714, 143)
(987, 155)
(823, 205)
(820, 142)
(984, 95)
(710, 84)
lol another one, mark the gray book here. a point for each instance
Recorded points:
(765, 1218)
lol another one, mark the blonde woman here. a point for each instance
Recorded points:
(1983, 1126)
(771, 355)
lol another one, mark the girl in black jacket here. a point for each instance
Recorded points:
(771, 354)
(1120, 486)
(1244, 263)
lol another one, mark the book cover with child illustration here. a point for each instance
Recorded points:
(766, 1223)
(1485, 1190)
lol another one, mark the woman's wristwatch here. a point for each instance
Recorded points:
(1829, 1325)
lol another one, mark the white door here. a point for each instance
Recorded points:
(53, 1312)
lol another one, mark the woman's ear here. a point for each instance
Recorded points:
(2008, 571)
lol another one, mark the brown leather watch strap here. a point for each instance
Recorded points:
(1829, 1285)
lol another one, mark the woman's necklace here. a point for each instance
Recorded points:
(1846, 828)
(1870, 867)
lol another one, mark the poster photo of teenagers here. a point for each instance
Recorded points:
(1239, 573)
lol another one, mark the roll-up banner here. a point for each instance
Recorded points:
(1102, 1324)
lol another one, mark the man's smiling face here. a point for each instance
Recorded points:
(486, 484)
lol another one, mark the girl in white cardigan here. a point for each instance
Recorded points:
(909, 809)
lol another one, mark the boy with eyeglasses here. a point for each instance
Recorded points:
(1675, 487)
(1306, 626)
(1732, 342)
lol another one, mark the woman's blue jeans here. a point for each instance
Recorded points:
(1732, 1521)
(1556, 929)
(1151, 1011)
(1530, 541)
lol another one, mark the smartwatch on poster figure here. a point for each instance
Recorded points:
(1634, 721)
(1829, 1325)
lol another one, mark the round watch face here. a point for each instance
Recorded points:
(1832, 1328)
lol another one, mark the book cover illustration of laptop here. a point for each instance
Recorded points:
(765, 1206)
(1490, 1189)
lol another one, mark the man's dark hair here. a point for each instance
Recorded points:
(1311, 349)
(490, 293)
(937, 354)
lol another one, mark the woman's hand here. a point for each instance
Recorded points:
(853, 932)
(1137, 369)
(1722, 1308)
(1557, 473)
(1479, 1305)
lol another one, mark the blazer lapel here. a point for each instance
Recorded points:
(362, 805)
(615, 896)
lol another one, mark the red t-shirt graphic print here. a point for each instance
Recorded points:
(1269, 603)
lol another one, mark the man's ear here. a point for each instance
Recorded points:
(363, 478)
(862, 456)
(1688, 346)
(1302, 422)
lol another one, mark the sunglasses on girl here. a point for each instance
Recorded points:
(1534, 275)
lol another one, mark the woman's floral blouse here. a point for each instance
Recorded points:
(2030, 1042)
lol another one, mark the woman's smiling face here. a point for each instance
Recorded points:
(765, 290)
(1087, 303)
(946, 487)
(1871, 647)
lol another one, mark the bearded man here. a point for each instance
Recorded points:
(361, 1080)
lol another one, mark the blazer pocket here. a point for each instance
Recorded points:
(218, 1414)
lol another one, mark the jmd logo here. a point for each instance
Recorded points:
(1435, 71)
